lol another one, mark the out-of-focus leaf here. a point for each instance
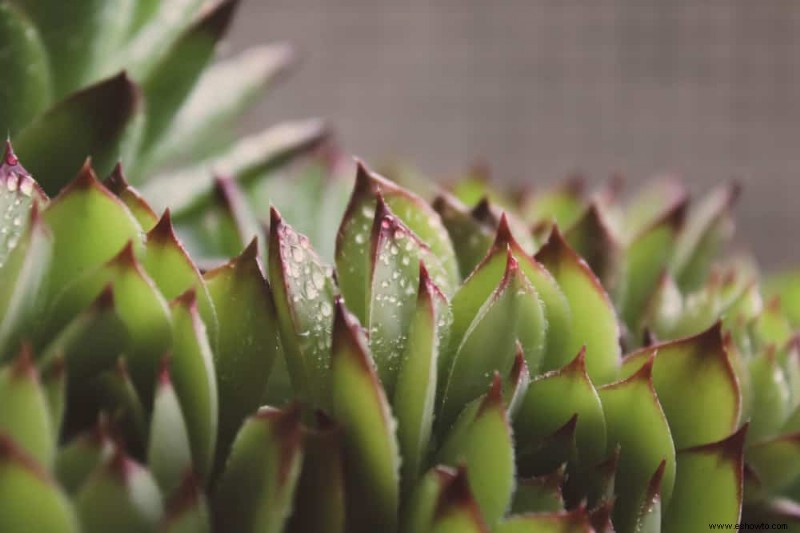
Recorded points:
(113, 392)
(352, 257)
(471, 237)
(361, 409)
(561, 205)
(715, 471)
(187, 510)
(492, 215)
(173, 77)
(594, 323)
(303, 289)
(29, 499)
(201, 121)
(188, 189)
(120, 495)
(100, 122)
(648, 518)
(646, 257)
(136, 204)
(255, 491)
(696, 386)
(776, 461)
(169, 454)
(769, 402)
(82, 34)
(592, 237)
(653, 202)
(79, 457)
(25, 417)
(786, 285)
(635, 421)
(27, 86)
(555, 397)
(415, 393)
(551, 453)
(708, 227)
(192, 372)
(248, 340)
(772, 326)
(170, 267)
(54, 385)
(319, 502)
(491, 476)
(419, 511)
(575, 521)
(456, 509)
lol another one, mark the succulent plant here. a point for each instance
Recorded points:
(457, 367)
(128, 79)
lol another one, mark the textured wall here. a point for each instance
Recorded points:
(540, 87)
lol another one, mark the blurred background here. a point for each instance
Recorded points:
(539, 88)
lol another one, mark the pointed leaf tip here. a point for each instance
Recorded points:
(503, 236)
(163, 230)
(187, 299)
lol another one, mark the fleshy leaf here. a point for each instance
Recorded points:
(120, 495)
(25, 417)
(27, 86)
(491, 476)
(101, 121)
(303, 289)
(419, 511)
(415, 393)
(456, 509)
(187, 510)
(594, 323)
(362, 411)
(248, 340)
(776, 461)
(192, 372)
(555, 397)
(136, 204)
(394, 277)
(113, 392)
(696, 386)
(54, 384)
(255, 491)
(715, 471)
(561, 205)
(593, 239)
(319, 502)
(635, 421)
(29, 499)
(708, 227)
(648, 519)
(787, 286)
(575, 521)
(471, 237)
(173, 77)
(78, 458)
(539, 494)
(769, 402)
(169, 454)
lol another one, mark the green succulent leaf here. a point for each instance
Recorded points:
(471, 237)
(653, 203)
(136, 204)
(786, 285)
(361, 409)
(202, 121)
(539, 494)
(187, 510)
(635, 421)
(648, 519)
(192, 371)
(113, 392)
(86, 207)
(415, 393)
(83, 35)
(769, 401)
(708, 227)
(353, 258)
(303, 289)
(29, 499)
(255, 491)
(592, 238)
(21, 282)
(552, 400)
(422, 503)
(561, 205)
(77, 459)
(576, 521)
(646, 257)
(776, 461)
(54, 385)
(248, 340)
(171, 80)
(715, 471)
(772, 326)
(169, 454)
(594, 323)
(27, 86)
(491, 476)
(189, 189)
(319, 502)
(120, 495)
(517, 383)
(25, 417)
(101, 121)
(456, 509)
(696, 386)
(168, 264)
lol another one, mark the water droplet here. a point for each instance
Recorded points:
(368, 211)
(360, 238)
(304, 243)
(405, 260)
(394, 250)
(12, 182)
(318, 279)
(399, 235)
(325, 309)
(386, 223)
(17, 221)
(297, 255)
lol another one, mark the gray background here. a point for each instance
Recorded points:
(706, 88)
